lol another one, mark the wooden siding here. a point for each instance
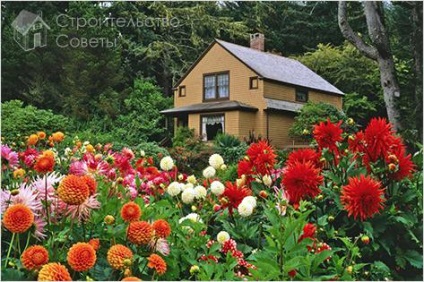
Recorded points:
(279, 124)
(280, 91)
(218, 60)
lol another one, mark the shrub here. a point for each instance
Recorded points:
(230, 148)
(182, 134)
(311, 114)
(19, 120)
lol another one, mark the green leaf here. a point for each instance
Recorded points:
(414, 258)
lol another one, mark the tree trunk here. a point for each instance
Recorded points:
(378, 51)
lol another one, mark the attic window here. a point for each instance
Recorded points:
(253, 82)
(182, 91)
(301, 95)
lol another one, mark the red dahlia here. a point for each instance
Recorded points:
(262, 157)
(327, 134)
(378, 137)
(301, 180)
(362, 197)
(234, 195)
(308, 231)
(304, 155)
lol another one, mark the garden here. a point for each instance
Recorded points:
(349, 207)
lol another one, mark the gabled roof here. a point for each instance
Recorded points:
(25, 20)
(272, 67)
(278, 68)
(210, 107)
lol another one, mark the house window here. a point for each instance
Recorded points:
(301, 95)
(211, 126)
(216, 86)
(182, 91)
(253, 82)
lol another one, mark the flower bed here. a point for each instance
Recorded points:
(349, 207)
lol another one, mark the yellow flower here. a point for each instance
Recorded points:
(19, 173)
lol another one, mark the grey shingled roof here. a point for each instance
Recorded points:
(210, 107)
(282, 69)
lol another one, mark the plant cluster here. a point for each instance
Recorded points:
(347, 208)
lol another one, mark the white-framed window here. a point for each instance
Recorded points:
(212, 125)
(216, 86)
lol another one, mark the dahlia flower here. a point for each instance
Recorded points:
(245, 209)
(327, 134)
(188, 195)
(250, 200)
(54, 272)
(160, 245)
(209, 172)
(34, 257)
(18, 218)
(217, 188)
(174, 189)
(82, 211)
(81, 257)
(216, 161)
(222, 237)
(362, 197)
(166, 163)
(9, 157)
(200, 192)
(157, 263)
(117, 254)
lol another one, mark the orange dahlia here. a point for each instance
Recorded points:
(95, 243)
(54, 272)
(162, 228)
(139, 232)
(58, 136)
(41, 134)
(44, 163)
(81, 257)
(157, 263)
(117, 254)
(34, 257)
(91, 182)
(130, 212)
(362, 197)
(32, 140)
(18, 218)
(131, 278)
(73, 190)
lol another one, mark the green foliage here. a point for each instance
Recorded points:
(230, 148)
(142, 120)
(192, 161)
(311, 114)
(346, 68)
(20, 121)
(152, 149)
(182, 136)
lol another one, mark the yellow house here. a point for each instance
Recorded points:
(240, 90)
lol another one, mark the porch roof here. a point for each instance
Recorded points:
(280, 105)
(210, 107)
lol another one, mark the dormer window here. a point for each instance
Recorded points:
(216, 86)
(301, 95)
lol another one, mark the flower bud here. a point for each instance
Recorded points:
(263, 194)
(194, 269)
(109, 219)
(365, 239)
(350, 121)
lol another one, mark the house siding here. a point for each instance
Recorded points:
(279, 124)
(217, 60)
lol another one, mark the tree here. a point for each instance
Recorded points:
(378, 50)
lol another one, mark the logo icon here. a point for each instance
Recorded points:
(30, 31)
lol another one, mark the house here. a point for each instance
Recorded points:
(240, 90)
(29, 30)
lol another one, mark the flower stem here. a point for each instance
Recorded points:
(27, 242)
(10, 248)
(46, 203)
(19, 244)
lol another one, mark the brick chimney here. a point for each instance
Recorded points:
(257, 41)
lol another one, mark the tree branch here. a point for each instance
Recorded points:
(351, 36)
